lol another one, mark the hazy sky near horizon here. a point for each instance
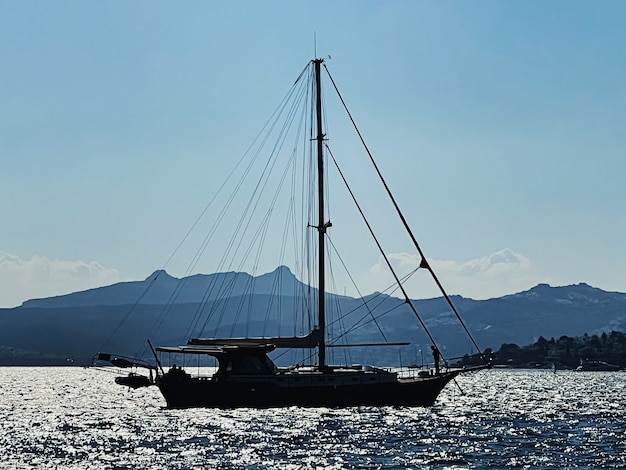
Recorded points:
(500, 125)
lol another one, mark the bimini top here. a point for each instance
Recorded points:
(217, 350)
(306, 342)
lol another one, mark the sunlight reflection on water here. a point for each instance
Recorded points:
(78, 418)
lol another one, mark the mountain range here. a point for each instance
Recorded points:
(70, 329)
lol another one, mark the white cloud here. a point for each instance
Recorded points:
(39, 277)
(500, 273)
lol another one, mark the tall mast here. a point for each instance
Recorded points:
(321, 226)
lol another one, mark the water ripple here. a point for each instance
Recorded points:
(78, 418)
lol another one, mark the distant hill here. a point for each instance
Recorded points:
(191, 289)
(119, 318)
(548, 311)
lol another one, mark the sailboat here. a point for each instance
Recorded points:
(245, 375)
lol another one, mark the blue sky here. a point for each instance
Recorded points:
(500, 126)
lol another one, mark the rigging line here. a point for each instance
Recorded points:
(290, 222)
(380, 248)
(219, 305)
(196, 258)
(305, 357)
(291, 214)
(299, 243)
(277, 284)
(263, 180)
(243, 157)
(307, 268)
(231, 243)
(376, 317)
(310, 188)
(242, 227)
(306, 68)
(333, 306)
(222, 288)
(377, 294)
(357, 289)
(261, 234)
(258, 188)
(293, 223)
(366, 303)
(268, 133)
(130, 310)
(250, 206)
(225, 284)
(171, 302)
(404, 222)
(200, 217)
(361, 322)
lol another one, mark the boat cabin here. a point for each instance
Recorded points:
(233, 360)
(245, 361)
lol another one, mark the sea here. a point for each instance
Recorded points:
(78, 418)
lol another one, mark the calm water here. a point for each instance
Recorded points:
(78, 418)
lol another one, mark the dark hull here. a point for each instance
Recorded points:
(188, 392)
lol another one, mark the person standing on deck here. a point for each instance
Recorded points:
(436, 356)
